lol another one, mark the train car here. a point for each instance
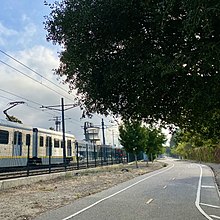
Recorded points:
(16, 140)
(50, 143)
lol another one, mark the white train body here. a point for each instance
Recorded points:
(16, 138)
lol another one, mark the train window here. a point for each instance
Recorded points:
(68, 143)
(28, 139)
(41, 141)
(4, 137)
(56, 143)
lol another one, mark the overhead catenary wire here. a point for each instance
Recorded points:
(17, 70)
(4, 97)
(29, 68)
(20, 97)
(23, 99)
(34, 71)
(36, 103)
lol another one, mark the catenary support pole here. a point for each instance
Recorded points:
(63, 128)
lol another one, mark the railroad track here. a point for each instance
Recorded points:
(24, 171)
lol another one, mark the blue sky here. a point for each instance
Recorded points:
(23, 37)
(22, 20)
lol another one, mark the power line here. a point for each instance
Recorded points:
(16, 60)
(36, 103)
(6, 98)
(34, 71)
(20, 97)
(34, 79)
(24, 99)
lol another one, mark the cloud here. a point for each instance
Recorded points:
(23, 46)
(27, 34)
(42, 60)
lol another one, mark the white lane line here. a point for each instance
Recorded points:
(212, 187)
(215, 216)
(213, 206)
(197, 202)
(173, 178)
(165, 187)
(149, 201)
(114, 194)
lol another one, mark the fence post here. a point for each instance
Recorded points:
(101, 156)
(95, 155)
(28, 156)
(50, 153)
(87, 156)
(77, 155)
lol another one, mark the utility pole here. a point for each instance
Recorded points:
(57, 108)
(57, 120)
(103, 137)
(63, 128)
(103, 132)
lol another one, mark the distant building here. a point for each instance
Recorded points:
(91, 133)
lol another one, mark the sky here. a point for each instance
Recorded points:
(23, 39)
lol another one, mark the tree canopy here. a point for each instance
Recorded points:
(194, 146)
(154, 144)
(156, 60)
(133, 136)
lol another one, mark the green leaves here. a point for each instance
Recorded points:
(155, 141)
(136, 138)
(133, 136)
(150, 60)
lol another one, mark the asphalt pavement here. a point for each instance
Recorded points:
(180, 191)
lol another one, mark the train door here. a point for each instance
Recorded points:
(35, 143)
(48, 146)
(69, 148)
(17, 146)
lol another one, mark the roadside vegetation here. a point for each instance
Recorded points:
(195, 146)
(136, 138)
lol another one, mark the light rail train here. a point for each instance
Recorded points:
(17, 141)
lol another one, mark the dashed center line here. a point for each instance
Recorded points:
(116, 193)
(165, 187)
(212, 187)
(149, 201)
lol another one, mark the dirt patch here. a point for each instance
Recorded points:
(28, 201)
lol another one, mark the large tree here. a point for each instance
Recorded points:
(148, 59)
